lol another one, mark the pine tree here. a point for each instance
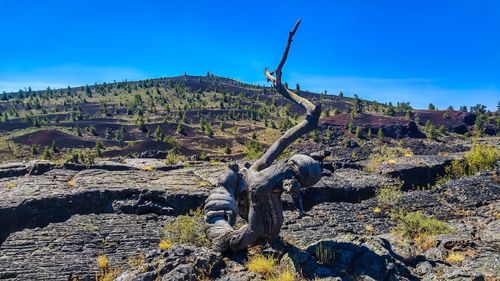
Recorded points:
(158, 135)
(380, 134)
(358, 132)
(46, 154)
(98, 147)
(208, 130)
(119, 134)
(53, 148)
(227, 149)
(180, 128)
(140, 124)
(34, 150)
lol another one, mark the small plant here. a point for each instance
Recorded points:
(358, 132)
(286, 275)
(385, 155)
(106, 272)
(389, 195)
(148, 168)
(369, 229)
(46, 155)
(424, 241)
(227, 149)
(253, 150)
(173, 158)
(102, 262)
(455, 257)
(71, 183)
(136, 261)
(165, 244)
(187, 229)
(380, 134)
(262, 265)
(11, 185)
(413, 224)
(480, 157)
(203, 183)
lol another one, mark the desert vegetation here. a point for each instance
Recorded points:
(130, 164)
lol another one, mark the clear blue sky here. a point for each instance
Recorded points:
(445, 52)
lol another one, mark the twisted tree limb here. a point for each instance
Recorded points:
(312, 111)
(255, 193)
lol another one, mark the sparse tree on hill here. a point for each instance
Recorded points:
(390, 110)
(430, 130)
(227, 149)
(120, 134)
(46, 154)
(34, 150)
(358, 132)
(357, 105)
(478, 109)
(54, 148)
(158, 135)
(431, 107)
(98, 147)
(140, 124)
(180, 128)
(380, 134)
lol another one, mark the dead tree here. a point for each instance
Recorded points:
(254, 193)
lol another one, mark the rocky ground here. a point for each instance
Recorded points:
(55, 220)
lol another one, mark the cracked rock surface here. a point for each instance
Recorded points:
(55, 221)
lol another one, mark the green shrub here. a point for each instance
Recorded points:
(385, 155)
(389, 195)
(173, 157)
(480, 157)
(253, 150)
(187, 229)
(415, 224)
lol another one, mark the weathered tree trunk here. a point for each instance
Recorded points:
(254, 193)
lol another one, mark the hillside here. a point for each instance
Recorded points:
(201, 116)
(405, 194)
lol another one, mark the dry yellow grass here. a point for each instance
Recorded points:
(262, 265)
(136, 261)
(11, 185)
(106, 272)
(455, 257)
(369, 229)
(424, 242)
(377, 210)
(147, 168)
(102, 262)
(203, 183)
(71, 183)
(286, 275)
(165, 244)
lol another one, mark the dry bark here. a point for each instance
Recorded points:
(254, 193)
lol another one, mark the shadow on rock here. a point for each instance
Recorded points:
(346, 261)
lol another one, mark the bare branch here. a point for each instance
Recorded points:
(311, 119)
